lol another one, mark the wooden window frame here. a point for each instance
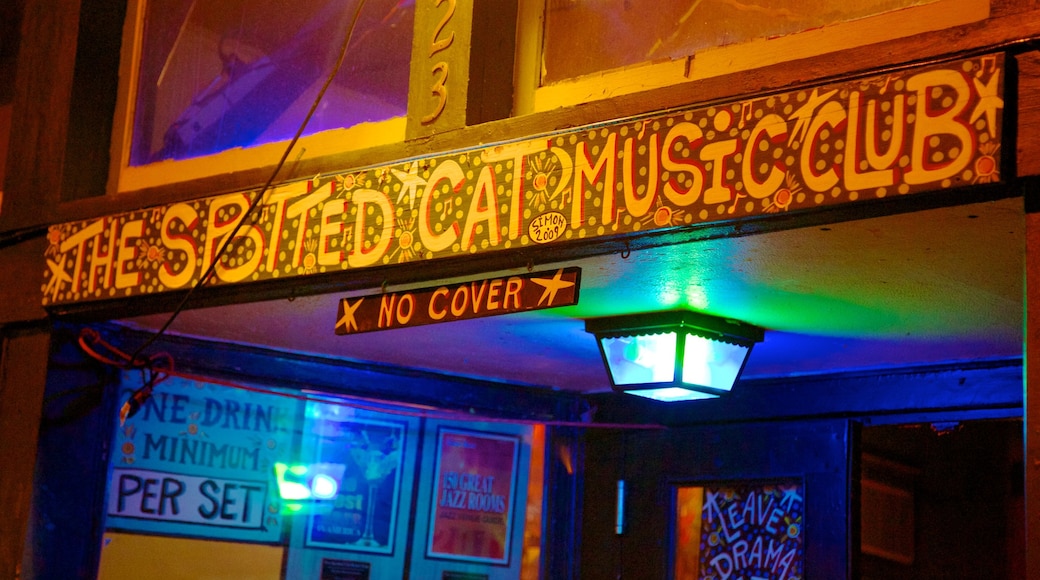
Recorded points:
(124, 178)
(534, 97)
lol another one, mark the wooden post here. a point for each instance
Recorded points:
(1028, 165)
(23, 374)
(462, 64)
(1031, 412)
(40, 114)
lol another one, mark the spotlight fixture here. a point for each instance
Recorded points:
(301, 485)
(674, 355)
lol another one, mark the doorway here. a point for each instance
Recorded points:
(942, 500)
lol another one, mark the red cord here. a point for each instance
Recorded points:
(89, 337)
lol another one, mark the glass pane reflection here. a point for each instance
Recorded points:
(712, 363)
(587, 36)
(635, 360)
(238, 73)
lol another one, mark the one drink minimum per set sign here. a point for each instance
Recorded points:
(188, 499)
(197, 460)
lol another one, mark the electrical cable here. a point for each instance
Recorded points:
(19, 236)
(153, 375)
(133, 404)
(90, 338)
(263, 191)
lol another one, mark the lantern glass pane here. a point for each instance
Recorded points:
(711, 363)
(671, 394)
(636, 360)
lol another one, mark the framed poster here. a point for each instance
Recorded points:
(740, 530)
(474, 492)
(363, 514)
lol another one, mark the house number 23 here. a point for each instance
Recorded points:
(439, 42)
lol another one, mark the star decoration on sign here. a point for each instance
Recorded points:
(989, 101)
(59, 277)
(346, 318)
(410, 183)
(790, 496)
(552, 286)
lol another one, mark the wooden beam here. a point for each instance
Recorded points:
(1032, 388)
(43, 85)
(267, 367)
(23, 373)
(1027, 157)
(984, 389)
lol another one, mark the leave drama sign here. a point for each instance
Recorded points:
(463, 301)
(901, 133)
(743, 530)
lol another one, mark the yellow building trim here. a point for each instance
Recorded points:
(361, 136)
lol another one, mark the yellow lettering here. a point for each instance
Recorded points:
(854, 180)
(605, 165)
(831, 114)
(877, 160)
(772, 126)
(493, 292)
(458, 308)
(450, 171)
(247, 267)
(106, 259)
(302, 208)
(436, 314)
(128, 253)
(518, 153)
(386, 310)
(483, 196)
(405, 316)
(478, 294)
(513, 287)
(279, 198)
(79, 240)
(217, 227)
(635, 205)
(184, 243)
(360, 256)
(331, 225)
(677, 164)
(930, 123)
(717, 153)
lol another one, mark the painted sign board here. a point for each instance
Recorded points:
(901, 133)
(452, 302)
(197, 460)
(743, 530)
(471, 513)
(207, 501)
